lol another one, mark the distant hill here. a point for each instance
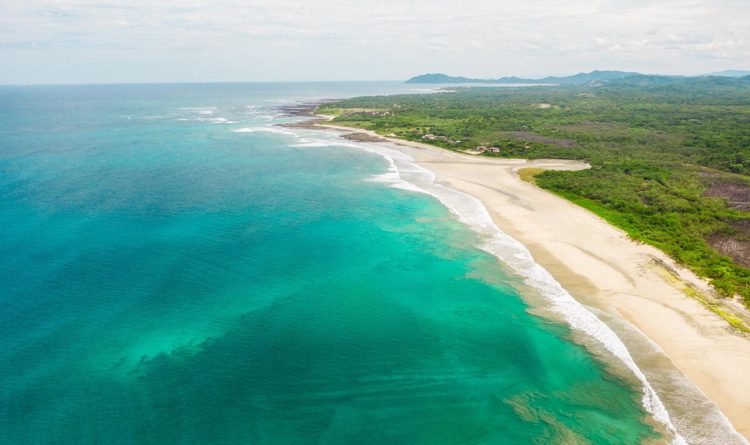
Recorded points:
(678, 83)
(648, 80)
(576, 79)
(730, 73)
(596, 77)
(443, 78)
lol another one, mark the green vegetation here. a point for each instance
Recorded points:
(529, 174)
(670, 157)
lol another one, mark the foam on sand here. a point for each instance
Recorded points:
(405, 174)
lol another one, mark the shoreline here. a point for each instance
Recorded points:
(610, 274)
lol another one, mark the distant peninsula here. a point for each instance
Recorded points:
(576, 79)
(579, 78)
(731, 73)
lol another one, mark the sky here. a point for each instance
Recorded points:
(78, 41)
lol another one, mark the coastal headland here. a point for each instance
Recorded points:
(614, 276)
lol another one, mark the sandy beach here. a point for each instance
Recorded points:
(618, 279)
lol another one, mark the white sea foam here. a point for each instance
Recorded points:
(220, 120)
(213, 120)
(404, 173)
(276, 130)
(198, 109)
(305, 142)
(313, 143)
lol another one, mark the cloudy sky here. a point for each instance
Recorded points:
(79, 41)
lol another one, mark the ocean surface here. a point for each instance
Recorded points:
(175, 269)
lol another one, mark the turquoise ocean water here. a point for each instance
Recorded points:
(176, 270)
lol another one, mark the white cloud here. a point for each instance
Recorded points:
(365, 39)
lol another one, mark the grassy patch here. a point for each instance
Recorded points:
(707, 302)
(529, 174)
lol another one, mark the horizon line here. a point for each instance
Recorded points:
(209, 82)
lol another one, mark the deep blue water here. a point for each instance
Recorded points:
(167, 279)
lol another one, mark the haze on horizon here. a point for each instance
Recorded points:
(78, 41)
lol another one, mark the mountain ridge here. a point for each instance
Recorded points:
(575, 79)
(579, 78)
(730, 73)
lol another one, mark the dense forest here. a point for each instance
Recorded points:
(670, 157)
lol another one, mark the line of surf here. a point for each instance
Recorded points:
(404, 173)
